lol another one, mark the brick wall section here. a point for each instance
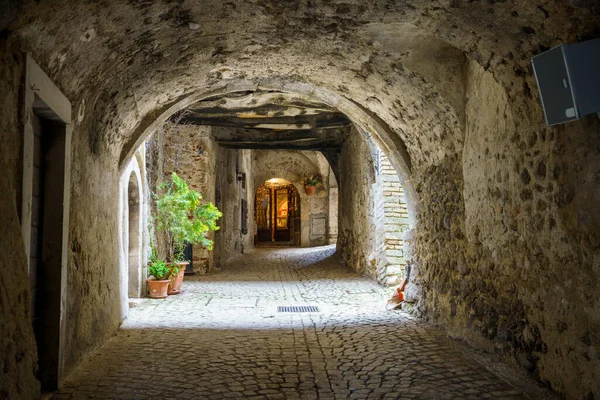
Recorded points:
(391, 215)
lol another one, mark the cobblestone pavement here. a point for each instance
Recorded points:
(223, 338)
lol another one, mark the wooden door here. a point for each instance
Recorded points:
(282, 216)
(263, 213)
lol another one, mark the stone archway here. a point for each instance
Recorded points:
(134, 239)
(133, 243)
(369, 127)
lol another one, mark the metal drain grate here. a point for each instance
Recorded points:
(297, 309)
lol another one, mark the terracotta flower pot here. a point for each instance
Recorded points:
(175, 282)
(157, 289)
(310, 190)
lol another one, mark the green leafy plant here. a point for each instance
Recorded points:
(156, 267)
(314, 180)
(159, 270)
(181, 216)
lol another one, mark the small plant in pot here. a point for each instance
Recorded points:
(158, 282)
(311, 183)
(185, 221)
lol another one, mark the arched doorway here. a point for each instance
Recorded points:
(133, 260)
(277, 213)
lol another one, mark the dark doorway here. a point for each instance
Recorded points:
(277, 212)
(188, 255)
(47, 240)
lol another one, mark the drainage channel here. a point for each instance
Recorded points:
(297, 309)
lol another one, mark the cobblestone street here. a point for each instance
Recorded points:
(223, 338)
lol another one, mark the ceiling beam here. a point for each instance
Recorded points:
(262, 110)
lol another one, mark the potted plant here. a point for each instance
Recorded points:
(158, 281)
(185, 221)
(311, 183)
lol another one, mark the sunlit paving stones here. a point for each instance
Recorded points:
(223, 337)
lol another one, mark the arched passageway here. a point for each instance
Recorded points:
(502, 208)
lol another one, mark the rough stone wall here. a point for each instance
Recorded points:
(356, 229)
(533, 234)
(507, 244)
(229, 240)
(93, 300)
(17, 341)
(191, 152)
(295, 166)
(155, 147)
(391, 218)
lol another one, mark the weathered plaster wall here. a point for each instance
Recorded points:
(191, 152)
(229, 240)
(356, 227)
(295, 166)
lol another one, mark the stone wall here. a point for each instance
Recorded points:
(191, 152)
(155, 147)
(391, 218)
(508, 237)
(230, 241)
(17, 341)
(356, 226)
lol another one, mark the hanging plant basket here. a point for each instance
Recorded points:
(310, 190)
(311, 183)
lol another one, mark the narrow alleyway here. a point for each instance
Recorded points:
(223, 338)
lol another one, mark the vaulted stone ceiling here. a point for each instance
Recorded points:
(134, 58)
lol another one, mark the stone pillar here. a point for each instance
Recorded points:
(413, 290)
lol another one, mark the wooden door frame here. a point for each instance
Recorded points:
(37, 83)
